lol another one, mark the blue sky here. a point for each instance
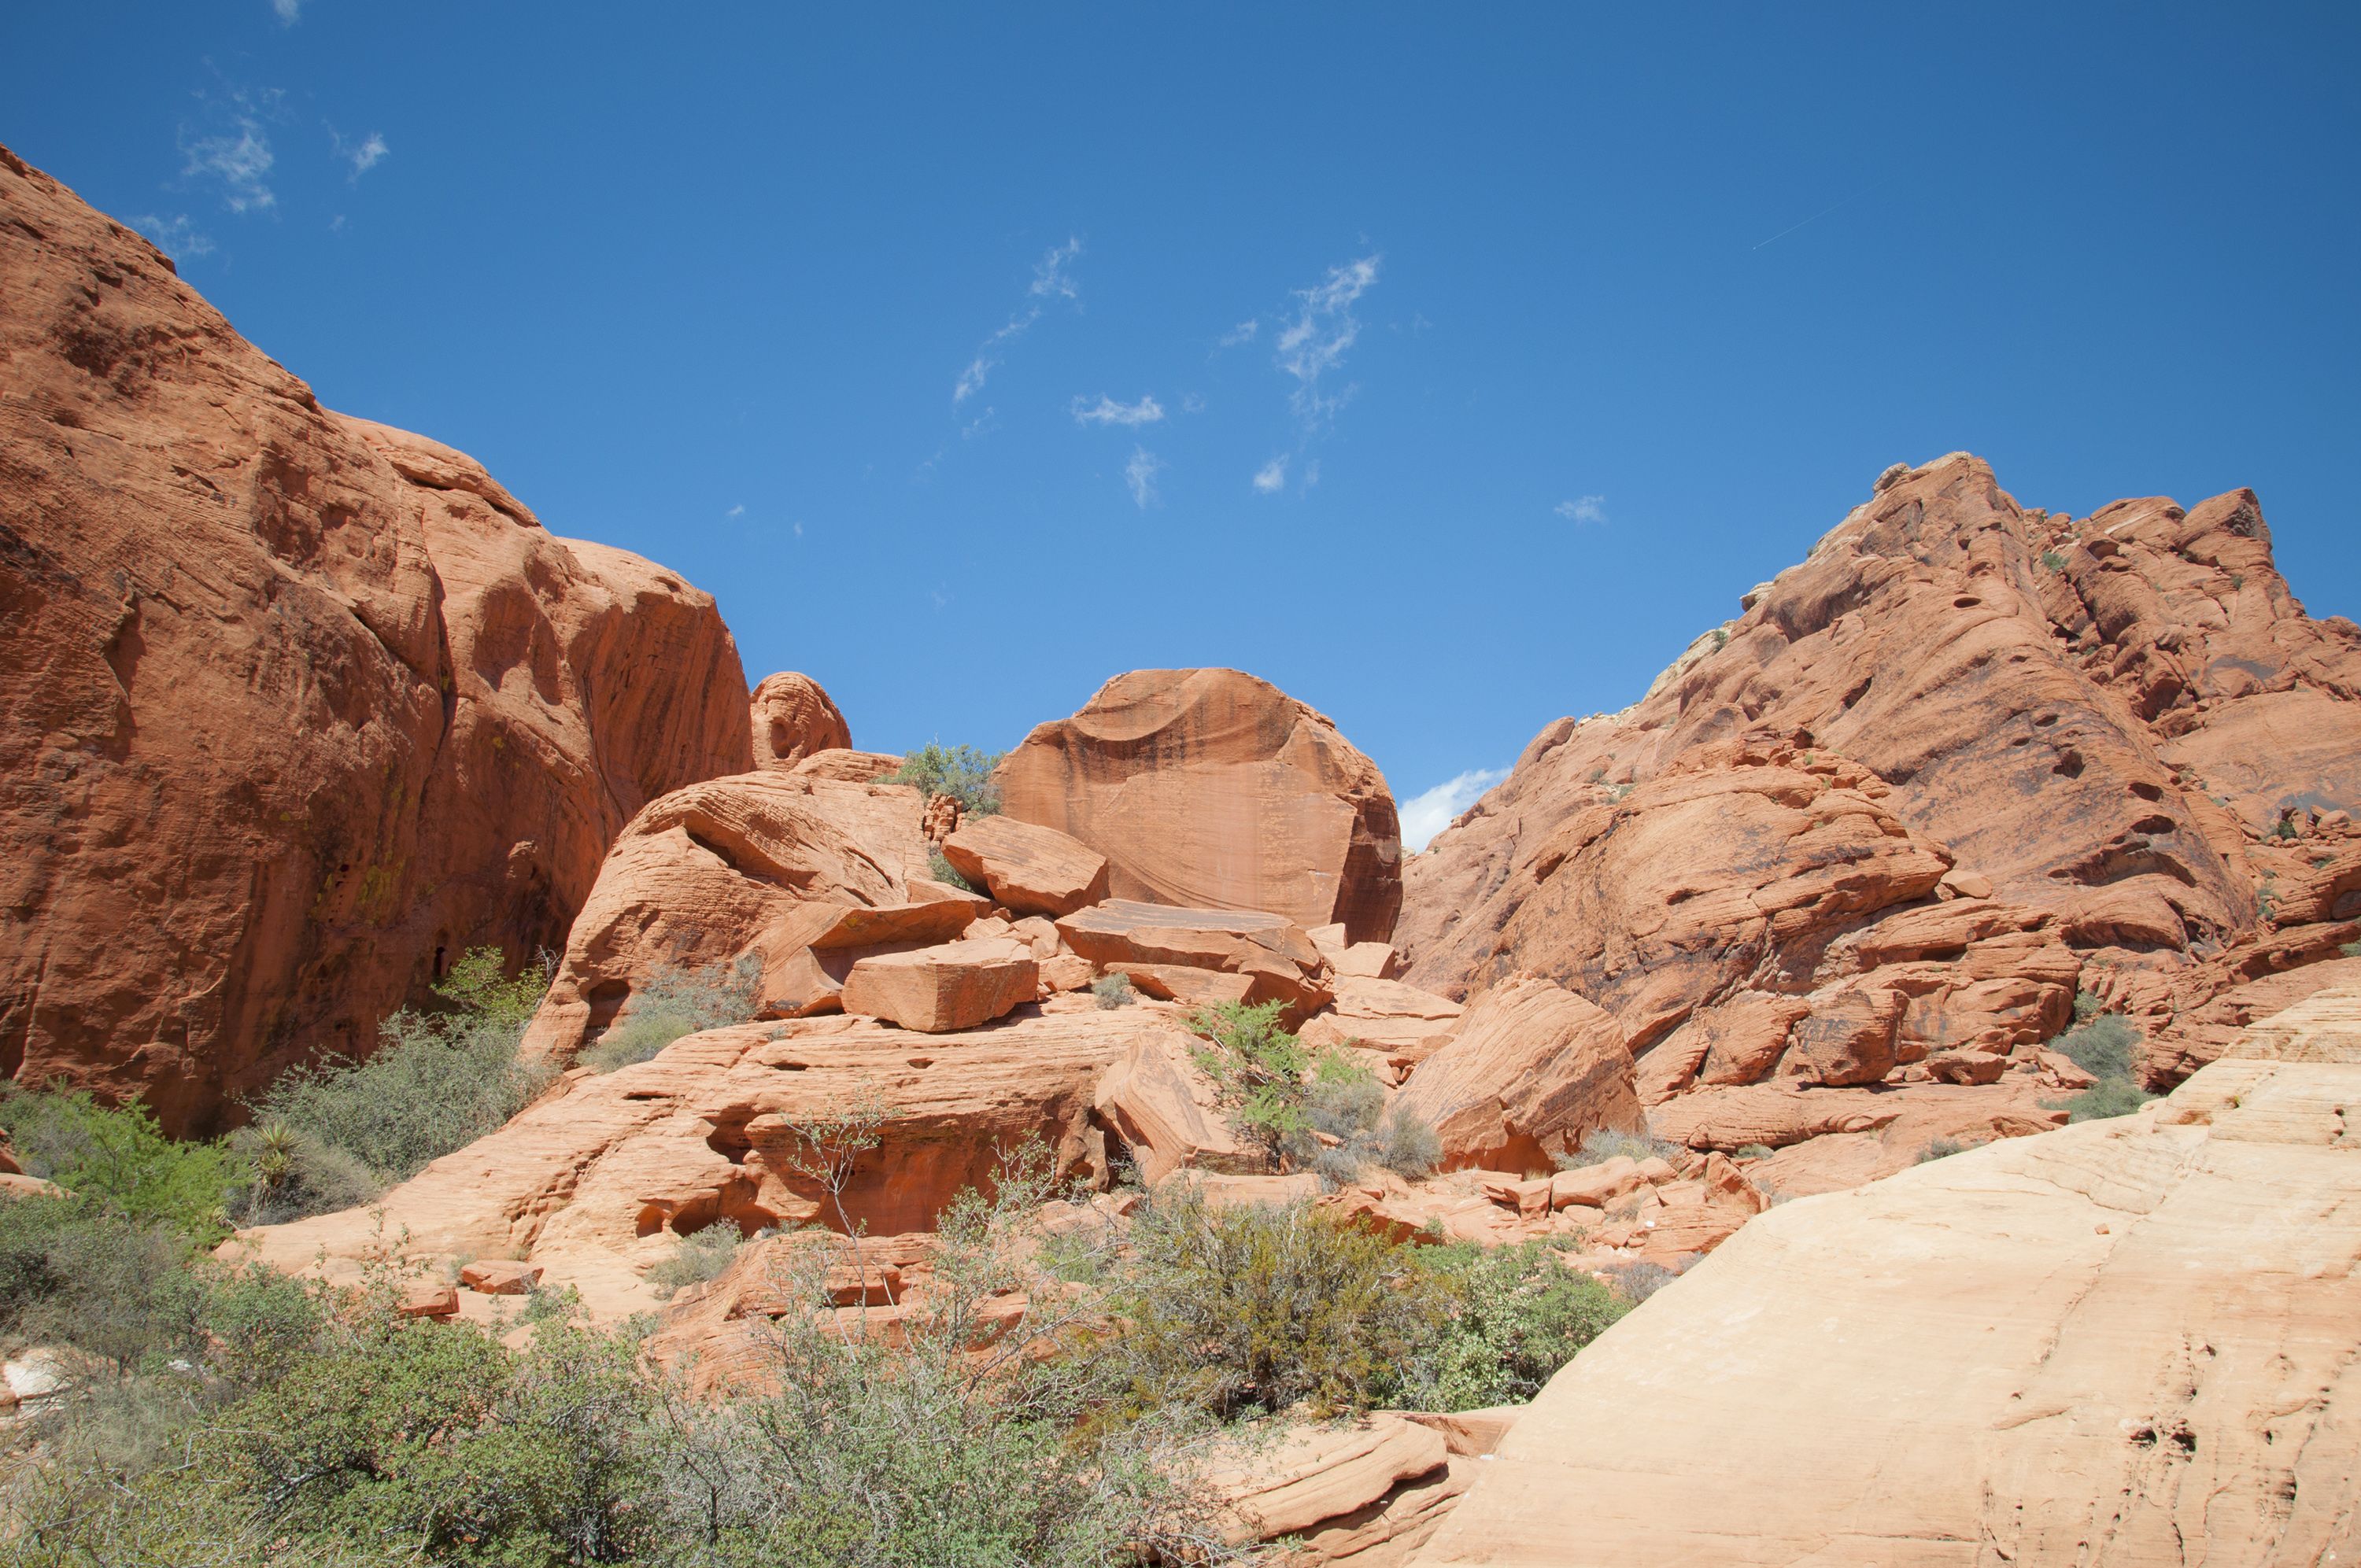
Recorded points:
(1450, 366)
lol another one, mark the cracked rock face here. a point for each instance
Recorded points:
(2125, 1341)
(295, 708)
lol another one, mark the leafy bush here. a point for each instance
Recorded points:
(1246, 1308)
(939, 866)
(1755, 1151)
(119, 1160)
(1408, 1145)
(962, 773)
(1345, 1102)
(1512, 1316)
(697, 1257)
(76, 1272)
(1114, 991)
(2053, 560)
(1639, 1279)
(2107, 1046)
(675, 1004)
(1940, 1148)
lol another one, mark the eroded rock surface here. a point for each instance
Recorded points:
(793, 719)
(2111, 1343)
(1964, 760)
(1211, 788)
(297, 707)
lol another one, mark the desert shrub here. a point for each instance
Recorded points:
(1940, 1148)
(1408, 1144)
(333, 1133)
(1639, 1279)
(118, 1159)
(1511, 1317)
(1246, 1308)
(939, 866)
(1755, 1151)
(1114, 991)
(2350, 950)
(1604, 1144)
(962, 773)
(1266, 1078)
(696, 1258)
(675, 1004)
(76, 1272)
(1345, 1100)
(2053, 560)
(2107, 1046)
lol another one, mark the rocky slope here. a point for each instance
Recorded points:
(2128, 1342)
(1963, 761)
(296, 706)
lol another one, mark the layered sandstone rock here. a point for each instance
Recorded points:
(2125, 1341)
(792, 719)
(1211, 788)
(1027, 869)
(595, 1182)
(1532, 1068)
(1169, 950)
(1963, 760)
(297, 707)
(936, 990)
(805, 873)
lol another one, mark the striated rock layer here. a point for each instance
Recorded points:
(296, 707)
(1962, 760)
(1212, 789)
(2127, 1341)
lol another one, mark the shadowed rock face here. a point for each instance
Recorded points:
(296, 707)
(2118, 739)
(2107, 1343)
(1212, 789)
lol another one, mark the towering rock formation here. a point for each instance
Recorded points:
(1209, 788)
(295, 708)
(793, 719)
(1963, 760)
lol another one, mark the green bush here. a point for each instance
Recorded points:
(1114, 991)
(699, 1257)
(962, 773)
(1345, 1102)
(2107, 1046)
(119, 1158)
(1940, 1148)
(1270, 1083)
(2108, 1097)
(1251, 1308)
(939, 866)
(675, 1004)
(1512, 1316)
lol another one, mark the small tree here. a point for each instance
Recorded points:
(962, 773)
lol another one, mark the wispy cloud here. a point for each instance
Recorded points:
(1583, 509)
(1425, 814)
(288, 11)
(364, 155)
(1242, 332)
(1106, 411)
(1271, 477)
(175, 236)
(1316, 342)
(738, 511)
(1140, 474)
(1052, 279)
(239, 159)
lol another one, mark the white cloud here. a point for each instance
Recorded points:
(1424, 816)
(738, 511)
(799, 531)
(1311, 473)
(1242, 332)
(239, 161)
(1316, 342)
(1106, 411)
(1051, 281)
(1140, 474)
(1191, 403)
(1271, 477)
(1587, 509)
(1050, 277)
(288, 11)
(364, 158)
(175, 236)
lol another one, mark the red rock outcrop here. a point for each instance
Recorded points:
(1210, 788)
(296, 706)
(1028, 869)
(793, 719)
(1963, 760)
(1532, 1069)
